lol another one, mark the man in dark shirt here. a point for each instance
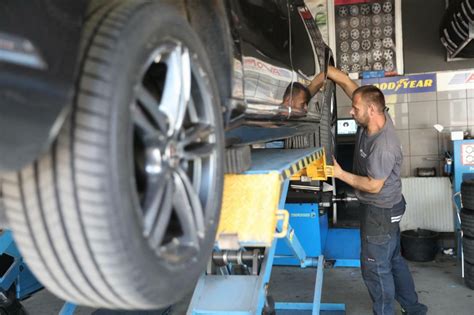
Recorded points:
(376, 180)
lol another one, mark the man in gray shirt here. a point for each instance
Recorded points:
(376, 180)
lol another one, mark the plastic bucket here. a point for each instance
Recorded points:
(419, 245)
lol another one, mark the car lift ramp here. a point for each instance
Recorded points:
(251, 222)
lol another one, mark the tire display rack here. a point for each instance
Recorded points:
(457, 29)
(368, 36)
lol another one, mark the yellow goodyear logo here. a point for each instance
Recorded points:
(408, 84)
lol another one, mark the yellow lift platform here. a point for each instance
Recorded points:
(250, 202)
(252, 219)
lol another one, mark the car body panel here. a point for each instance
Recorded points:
(264, 33)
(36, 82)
(39, 66)
(266, 78)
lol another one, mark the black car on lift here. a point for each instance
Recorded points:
(116, 118)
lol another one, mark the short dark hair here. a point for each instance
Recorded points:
(371, 94)
(297, 88)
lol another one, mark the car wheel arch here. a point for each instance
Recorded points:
(210, 21)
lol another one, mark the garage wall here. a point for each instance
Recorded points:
(429, 204)
(414, 115)
(422, 48)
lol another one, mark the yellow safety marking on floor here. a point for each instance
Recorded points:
(249, 207)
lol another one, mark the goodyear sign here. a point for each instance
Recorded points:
(417, 83)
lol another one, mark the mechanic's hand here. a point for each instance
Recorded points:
(331, 71)
(337, 168)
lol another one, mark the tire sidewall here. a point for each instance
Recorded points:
(326, 123)
(138, 41)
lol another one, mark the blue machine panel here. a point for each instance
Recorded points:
(343, 246)
(311, 230)
(16, 273)
(463, 162)
(316, 238)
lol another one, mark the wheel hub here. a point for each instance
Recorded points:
(171, 154)
(160, 156)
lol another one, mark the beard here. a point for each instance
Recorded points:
(363, 120)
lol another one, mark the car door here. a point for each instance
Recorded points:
(263, 27)
(307, 50)
(310, 56)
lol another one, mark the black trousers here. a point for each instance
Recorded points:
(384, 270)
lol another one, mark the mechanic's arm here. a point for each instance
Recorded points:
(338, 77)
(316, 84)
(362, 183)
(342, 80)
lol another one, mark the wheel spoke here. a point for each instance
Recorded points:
(154, 165)
(188, 208)
(194, 201)
(197, 170)
(177, 88)
(199, 151)
(192, 111)
(157, 187)
(142, 121)
(196, 142)
(163, 216)
(197, 133)
(150, 105)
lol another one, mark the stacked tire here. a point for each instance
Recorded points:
(454, 30)
(467, 227)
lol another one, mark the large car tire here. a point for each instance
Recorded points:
(467, 222)
(468, 249)
(122, 211)
(469, 275)
(467, 194)
(326, 129)
(237, 159)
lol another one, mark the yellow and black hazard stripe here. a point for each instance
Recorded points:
(301, 164)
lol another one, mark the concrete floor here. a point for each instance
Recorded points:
(438, 283)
